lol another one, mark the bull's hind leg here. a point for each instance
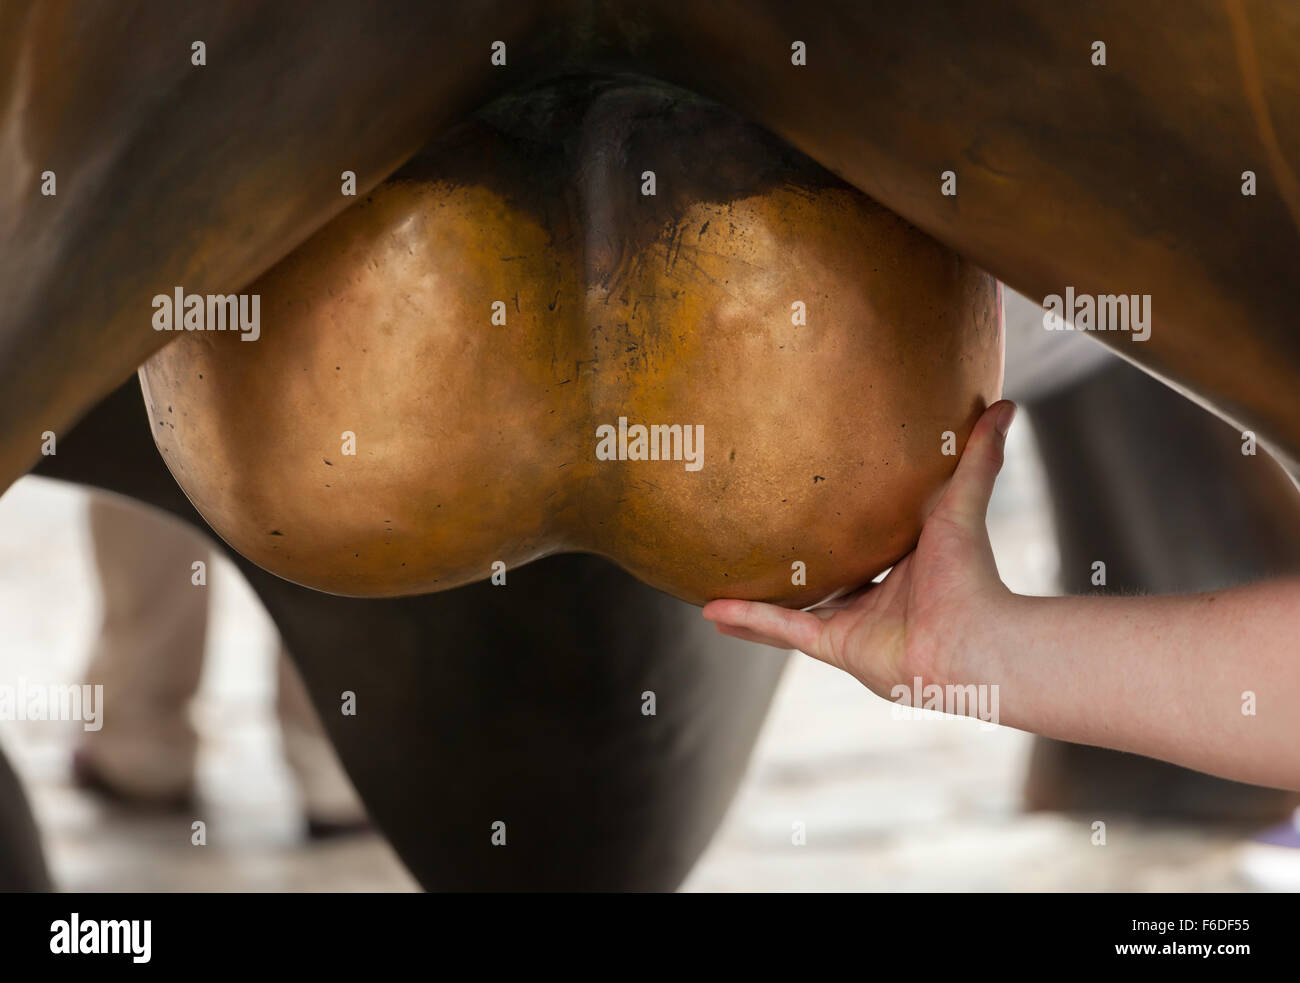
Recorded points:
(604, 724)
(573, 729)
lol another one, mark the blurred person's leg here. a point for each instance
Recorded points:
(149, 654)
(329, 801)
(22, 864)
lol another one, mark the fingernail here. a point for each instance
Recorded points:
(1005, 416)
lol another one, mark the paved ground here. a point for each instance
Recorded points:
(887, 804)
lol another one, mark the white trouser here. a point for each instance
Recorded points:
(149, 658)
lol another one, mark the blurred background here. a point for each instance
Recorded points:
(890, 804)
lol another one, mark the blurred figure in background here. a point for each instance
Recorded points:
(149, 658)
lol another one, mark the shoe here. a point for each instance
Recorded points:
(87, 775)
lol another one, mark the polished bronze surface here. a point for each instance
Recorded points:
(168, 172)
(1123, 177)
(823, 442)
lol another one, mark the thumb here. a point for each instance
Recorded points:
(966, 498)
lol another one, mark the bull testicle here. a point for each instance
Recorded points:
(479, 319)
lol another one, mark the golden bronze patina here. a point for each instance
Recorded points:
(820, 345)
(1116, 178)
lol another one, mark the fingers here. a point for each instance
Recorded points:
(745, 635)
(767, 624)
(966, 498)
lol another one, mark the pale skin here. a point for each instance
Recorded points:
(1168, 677)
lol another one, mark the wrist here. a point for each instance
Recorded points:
(965, 641)
(952, 656)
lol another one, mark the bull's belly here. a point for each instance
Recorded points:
(748, 383)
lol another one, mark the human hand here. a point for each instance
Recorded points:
(935, 606)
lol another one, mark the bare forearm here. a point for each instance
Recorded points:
(1210, 681)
